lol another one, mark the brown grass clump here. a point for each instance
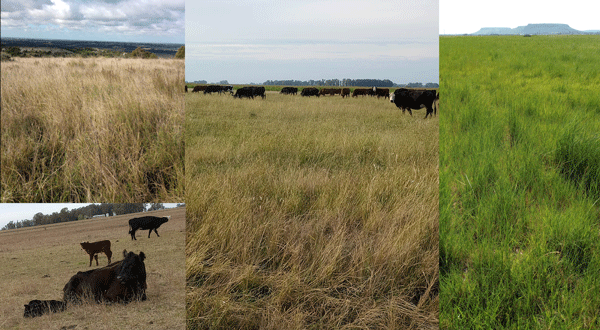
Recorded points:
(310, 213)
(92, 129)
(38, 261)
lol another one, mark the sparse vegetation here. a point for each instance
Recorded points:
(142, 53)
(519, 183)
(180, 53)
(310, 213)
(40, 271)
(92, 129)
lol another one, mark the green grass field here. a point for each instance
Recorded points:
(310, 213)
(520, 182)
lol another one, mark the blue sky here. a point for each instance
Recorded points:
(25, 211)
(258, 40)
(159, 21)
(468, 16)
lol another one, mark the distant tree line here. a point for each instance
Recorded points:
(348, 82)
(85, 212)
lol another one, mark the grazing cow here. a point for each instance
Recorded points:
(289, 90)
(244, 92)
(258, 91)
(310, 91)
(361, 91)
(93, 249)
(345, 92)
(148, 222)
(330, 91)
(213, 89)
(407, 99)
(227, 89)
(41, 307)
(198, 89)
(122, 281)
(382, 92)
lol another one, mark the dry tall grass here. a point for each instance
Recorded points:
(38, 261)
(310, 213)
(92, 130)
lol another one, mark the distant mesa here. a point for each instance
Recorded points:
(532, 29)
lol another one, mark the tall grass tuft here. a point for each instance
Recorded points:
(310, 213)
(92, 129)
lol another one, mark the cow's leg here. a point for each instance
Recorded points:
(108, 255)
(156, 231)
(429, 112)
(149, 232)
(409, 111)
(95, 257)
(91, 258)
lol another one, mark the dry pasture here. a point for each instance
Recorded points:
(37, 262)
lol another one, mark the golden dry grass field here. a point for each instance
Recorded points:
(38, 261)
(310, 213)
(92, 129)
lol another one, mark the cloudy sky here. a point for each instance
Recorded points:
(25, 211)
(257, 40)
(468, 16)
(160, 21)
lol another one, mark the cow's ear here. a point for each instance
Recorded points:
(142, 256)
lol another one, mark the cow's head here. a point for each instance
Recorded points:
(133, 269)
(392, 97)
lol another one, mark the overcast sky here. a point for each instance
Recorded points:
(468, 16)
(25, 211)
(159, 21)
(257, 40)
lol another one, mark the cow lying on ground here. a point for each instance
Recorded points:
(407, 99)
(95, 248)
(122, 281)
(41, 307)
(148, 222)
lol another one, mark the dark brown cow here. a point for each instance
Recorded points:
(310, 91)
(345, 92)
(198, 89)
(330, 91)
(95, 248)
(122, 281)
(361, 91)
(382, 92)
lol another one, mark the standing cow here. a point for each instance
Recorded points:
(149, 223)
(407, 99)
(122, 281)
(95, 248)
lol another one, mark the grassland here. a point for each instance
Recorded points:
(310, 213)
(38, 261)
(92, 130)
(520, 182)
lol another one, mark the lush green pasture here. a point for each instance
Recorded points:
(310, 213)
(520, 182)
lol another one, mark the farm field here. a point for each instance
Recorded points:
(310, 213)
(38, 261)
(520, 182)
(92, 129)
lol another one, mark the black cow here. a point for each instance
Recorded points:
(41, 307)
(259, 91)
(361, 91)
(289, 90)
(148, 222)
(407, 99)
(198, 89)
(310, 91)
(121, 281)
(186, 88)
(244, 92)
(213, 89)
(95, 248)
(345, 92)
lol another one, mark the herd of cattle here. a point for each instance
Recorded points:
(403, 98)
(122, 281)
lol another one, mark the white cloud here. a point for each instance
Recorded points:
(58, 10)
